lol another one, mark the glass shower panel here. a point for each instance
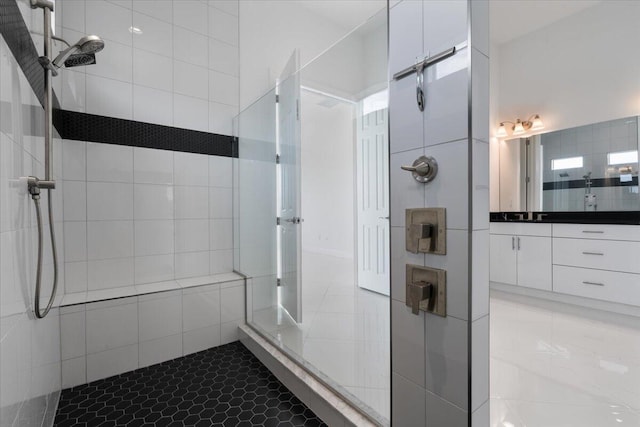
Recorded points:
(256, 204)
(344, 333)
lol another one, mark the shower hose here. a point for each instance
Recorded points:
(36, 200)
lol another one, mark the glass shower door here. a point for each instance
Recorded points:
(289, 199)
(268, 202)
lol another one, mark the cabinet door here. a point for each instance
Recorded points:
(534, 262)
(502, 267)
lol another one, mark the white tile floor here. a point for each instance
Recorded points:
(345, 330)
(552, 365)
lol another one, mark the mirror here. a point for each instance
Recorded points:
(587, 168)
(573, 69)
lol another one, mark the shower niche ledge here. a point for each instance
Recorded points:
(109, 332)
(224, 279)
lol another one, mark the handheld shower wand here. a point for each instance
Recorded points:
(81, 53)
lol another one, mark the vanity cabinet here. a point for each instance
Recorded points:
(520, 254)
(599, 262)
(503, 259)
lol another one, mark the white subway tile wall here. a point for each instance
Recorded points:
(430, 361)
(107, 338)
(172, 63)
(144, 215)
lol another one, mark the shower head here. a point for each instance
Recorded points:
(81, 53)
(79, 59)
(90, 44)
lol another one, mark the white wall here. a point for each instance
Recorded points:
(577, 71)
(375, 57)
(494, 143)
(270, 31)
(136, 215)
(352, 68)
(181, 71)
(355, 66)
(574, 72)
(328, 181)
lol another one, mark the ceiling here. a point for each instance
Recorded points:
(511, 19)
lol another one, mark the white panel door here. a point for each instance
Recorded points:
(372, 168)
(289, 152)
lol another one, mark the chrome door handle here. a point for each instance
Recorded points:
(593, 231)
(592, 253)
(383, 217)
(513, 243)
(518, 243)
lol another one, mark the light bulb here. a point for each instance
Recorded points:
(537, 123)
(518, 129)
(502, 131)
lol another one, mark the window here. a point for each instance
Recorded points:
(567, 163)
(622, 157)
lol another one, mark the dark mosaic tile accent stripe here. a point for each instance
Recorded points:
(595, 182)
(600, 217)
(110, 130)
(94, 128)
(16, 35)
(222, 386)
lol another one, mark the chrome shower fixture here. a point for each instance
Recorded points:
(81, 53)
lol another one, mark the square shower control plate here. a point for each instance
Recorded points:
(426, 231)
(437, 304)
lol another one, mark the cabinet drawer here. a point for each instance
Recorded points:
(597, 231)
(520, 229)
(600, 254)
(611, 286)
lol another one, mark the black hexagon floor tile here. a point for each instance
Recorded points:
(222, 386)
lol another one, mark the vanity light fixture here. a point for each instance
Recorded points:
(520, 127)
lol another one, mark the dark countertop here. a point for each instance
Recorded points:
(608, 217)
